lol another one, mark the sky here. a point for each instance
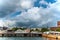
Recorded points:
(29, 13)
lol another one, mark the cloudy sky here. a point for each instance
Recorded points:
(29, 13)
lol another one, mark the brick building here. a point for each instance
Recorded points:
(54, 28)
(58, 23)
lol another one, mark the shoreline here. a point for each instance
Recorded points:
(51, 36)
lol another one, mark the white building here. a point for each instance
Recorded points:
(22, 31)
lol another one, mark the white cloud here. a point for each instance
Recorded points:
(9, 23)
(26, 4)
(1, 23)
(38, 15)
(32, 14)
(9, 6)
(43, 2)
(55, 9)
(45, 22)
(6, 23)
(1, 2)
(56, 15)
(55, 6)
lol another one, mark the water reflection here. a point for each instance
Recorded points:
(52, 39)
(21, 38)
(26, 38)
(49, 38)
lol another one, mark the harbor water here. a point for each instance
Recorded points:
(25, 38)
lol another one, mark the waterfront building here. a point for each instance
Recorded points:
(33, 28)
(2, 32)
(23, 31)
(27, 30)
(56, 27)
(19, 31)
(34, 32)
(58, 23)
(52, 32)
(39, 29)
(36, 29)
(10, 31)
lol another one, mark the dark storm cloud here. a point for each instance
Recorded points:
(8, 7)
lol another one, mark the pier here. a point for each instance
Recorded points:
(20, 35)
(20, 32)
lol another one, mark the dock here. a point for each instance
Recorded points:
(20, 35)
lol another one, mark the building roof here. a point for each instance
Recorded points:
(22, 31)
(3, 31)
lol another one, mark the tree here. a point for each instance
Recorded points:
(37, 30)
(14, 29)
(44, 29)
(22, 28)
(58, 29)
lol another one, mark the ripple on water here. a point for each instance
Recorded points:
(25, 38)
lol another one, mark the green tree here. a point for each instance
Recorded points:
(37, 30)
(14, 29)
(58, 29)
(44, 29)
